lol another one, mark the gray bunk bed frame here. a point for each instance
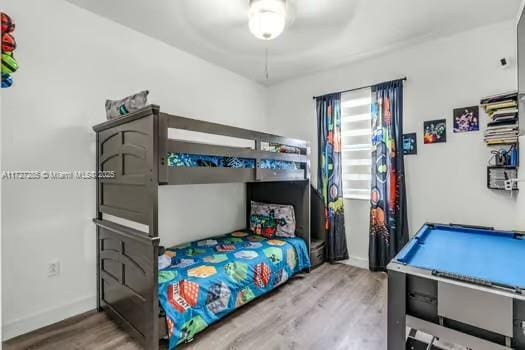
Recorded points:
(136, 148)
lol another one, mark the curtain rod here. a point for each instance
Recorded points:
(359, 88)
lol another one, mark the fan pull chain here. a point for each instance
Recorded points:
(266, 73)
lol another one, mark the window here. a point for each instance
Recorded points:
(356, 135)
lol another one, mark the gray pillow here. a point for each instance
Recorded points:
(119, 108)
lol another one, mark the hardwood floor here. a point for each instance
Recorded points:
(335, 307)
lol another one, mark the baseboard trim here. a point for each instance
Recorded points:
(47, 317)
(357, 262)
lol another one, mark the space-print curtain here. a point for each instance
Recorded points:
(329, 175)
(388, 215)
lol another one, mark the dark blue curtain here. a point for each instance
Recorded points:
(388, 214)
(330, 174)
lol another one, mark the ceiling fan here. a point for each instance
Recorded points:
(267, 18)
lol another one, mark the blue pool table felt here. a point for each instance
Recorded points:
(494, 256)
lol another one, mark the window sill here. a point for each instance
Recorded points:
(367, 198)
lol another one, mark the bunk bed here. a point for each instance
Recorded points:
(148, 149)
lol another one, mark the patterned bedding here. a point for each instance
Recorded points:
(197, 160)
(208, 279)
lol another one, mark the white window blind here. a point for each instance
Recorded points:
(356, 134)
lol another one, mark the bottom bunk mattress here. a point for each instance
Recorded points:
(210, 278)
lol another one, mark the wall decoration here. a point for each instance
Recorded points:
(435, 131)
(8, 42)
(409, 143)
(8, 25)
(9, 65)
(466, 119)
(7, 80)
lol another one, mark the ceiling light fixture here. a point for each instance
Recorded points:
(267, 18)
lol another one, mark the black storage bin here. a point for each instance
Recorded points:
(317, 254)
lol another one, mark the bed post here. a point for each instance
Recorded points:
(307, 211)
(98, 216)
(152, 336)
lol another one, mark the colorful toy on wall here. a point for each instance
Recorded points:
(9, 63)
(7, 81)
(8, 25)
(8, 42)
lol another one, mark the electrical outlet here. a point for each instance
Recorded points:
(53, 268)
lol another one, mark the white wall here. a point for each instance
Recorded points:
(445, 182)
(71, 61)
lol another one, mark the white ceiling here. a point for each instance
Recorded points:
(319, 35)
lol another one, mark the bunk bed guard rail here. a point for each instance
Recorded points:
(136, 148)
(190, 175)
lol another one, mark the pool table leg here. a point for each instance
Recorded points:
(396, 332)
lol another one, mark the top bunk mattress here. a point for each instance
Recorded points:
(210, 278)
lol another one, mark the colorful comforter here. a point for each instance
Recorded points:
(209, 279)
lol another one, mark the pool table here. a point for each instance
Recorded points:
(462, 284)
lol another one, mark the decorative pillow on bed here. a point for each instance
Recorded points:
(120, 108)
(270, 220)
